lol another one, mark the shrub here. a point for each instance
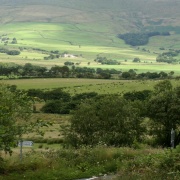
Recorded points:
(56, 107)
(111, 120)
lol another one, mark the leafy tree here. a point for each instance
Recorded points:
(86, 95)
(35, 93)
(14, 41)
(163, 75)
(137, 95)
(163, 109)
(15, 111)
(56, 107)
(110, 120)
(15, 117)
(165, 58)
(56, 94)
(55, 70)
(28, 69)
(68, 63)
(64, 71)
(104, 60)
(136, 60)
(13, 52)
(126, 75)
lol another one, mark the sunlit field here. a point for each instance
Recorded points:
(84, 42)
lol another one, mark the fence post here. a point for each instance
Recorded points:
(172, 138)
(21, 154)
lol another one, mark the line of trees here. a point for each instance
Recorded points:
(131, 74)
(10, 52)
(12, 70)
(119, 121)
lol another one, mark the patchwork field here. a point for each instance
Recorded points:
(36, 40)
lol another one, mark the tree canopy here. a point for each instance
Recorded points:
(15, 112)
(163, 108)
(110, 120)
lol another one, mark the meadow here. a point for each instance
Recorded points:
(84, 42)
(76, 86)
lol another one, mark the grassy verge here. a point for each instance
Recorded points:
(71, 164)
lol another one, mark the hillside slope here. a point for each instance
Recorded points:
(121, 15)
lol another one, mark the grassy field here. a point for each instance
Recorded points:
(75, 86)
(86, 43)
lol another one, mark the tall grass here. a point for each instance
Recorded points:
(71, 164)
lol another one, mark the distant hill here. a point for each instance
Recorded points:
(121, 15)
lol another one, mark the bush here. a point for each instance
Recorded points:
(110, 120)
(56, 107)
(13, 52)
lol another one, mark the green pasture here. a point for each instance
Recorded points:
(87, 42)
(76, 86)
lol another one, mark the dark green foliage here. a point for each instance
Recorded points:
(13, 52)
(137, 95)
(110, 120)
(57, 71)
(83, 96)
(56, 94)
(55, 52)
(163, 109)
(52, 56)
(104, 60)
(165, 58)
(31, 70)
(57, 101)
(15, 111)
(104, 73)
(136, 60)
(138, 39)
(10, 52)
(56, 107)
(65, 104)
(14, 41)
(168, 57)
(35, 93)
(12, 70)
(126, 75)
(135, 39)
(68, 63)
(131, 74)
(171, 53)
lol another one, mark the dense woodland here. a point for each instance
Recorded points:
(139, 39)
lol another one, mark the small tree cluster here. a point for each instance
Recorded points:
(104, 60)
(118, 121)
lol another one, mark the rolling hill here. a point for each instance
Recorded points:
(120, 15)
(89, 28)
